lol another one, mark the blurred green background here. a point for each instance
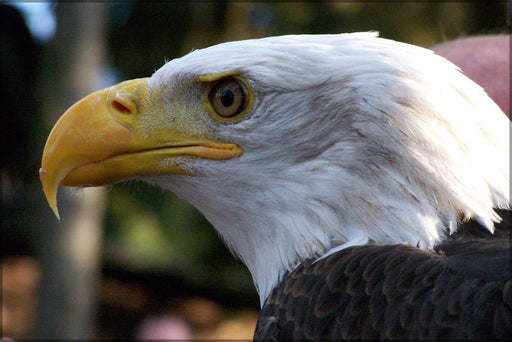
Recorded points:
(132, 260)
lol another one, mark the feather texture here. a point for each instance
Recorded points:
(395, 292)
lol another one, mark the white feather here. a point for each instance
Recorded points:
(352, 138)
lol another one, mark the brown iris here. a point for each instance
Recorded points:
(228, 97)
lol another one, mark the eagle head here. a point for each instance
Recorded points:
(293, 146)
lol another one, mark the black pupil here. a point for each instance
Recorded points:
(227, 98)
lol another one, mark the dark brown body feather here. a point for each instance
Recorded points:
(462, 290)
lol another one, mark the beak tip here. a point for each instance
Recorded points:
(55, 211)
(50, 193)
(52, 201)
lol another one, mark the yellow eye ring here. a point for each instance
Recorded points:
(229, 97)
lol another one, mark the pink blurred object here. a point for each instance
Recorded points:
(166, 327)
(486, 60)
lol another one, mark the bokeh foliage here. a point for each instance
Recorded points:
(150, 229)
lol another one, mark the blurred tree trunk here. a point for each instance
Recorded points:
(69, 250)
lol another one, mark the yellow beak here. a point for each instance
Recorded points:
(105, 138)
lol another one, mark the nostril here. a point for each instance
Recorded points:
(121, 107)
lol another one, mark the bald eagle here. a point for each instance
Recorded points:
(336, 167)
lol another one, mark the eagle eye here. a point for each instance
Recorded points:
(228, 97)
